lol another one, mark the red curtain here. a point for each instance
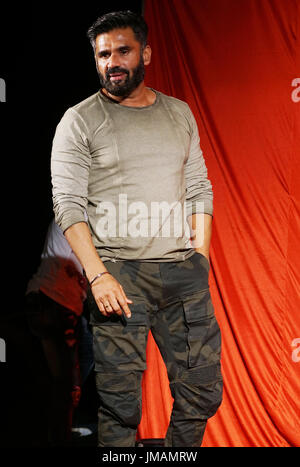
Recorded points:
(237, 64)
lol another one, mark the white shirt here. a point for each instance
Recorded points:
(60, 274)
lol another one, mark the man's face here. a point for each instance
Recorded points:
(120, 61)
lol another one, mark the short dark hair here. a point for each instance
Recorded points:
(119, 20)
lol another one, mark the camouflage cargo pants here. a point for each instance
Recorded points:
(173, 300)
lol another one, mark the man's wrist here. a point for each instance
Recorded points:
(97, 276)
(92, 271)
(202, 252)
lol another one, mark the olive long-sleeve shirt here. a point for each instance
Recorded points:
(138, 172)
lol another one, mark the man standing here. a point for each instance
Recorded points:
(130, 156)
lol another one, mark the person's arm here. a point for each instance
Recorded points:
(201, 230)
(199, 194)
(70, 168)
(106, 290)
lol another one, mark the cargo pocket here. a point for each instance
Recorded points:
(203, 332)
(120, 343)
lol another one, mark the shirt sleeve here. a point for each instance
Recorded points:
(70, 167)
(199, 194)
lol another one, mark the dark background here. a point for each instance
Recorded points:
(48, 65)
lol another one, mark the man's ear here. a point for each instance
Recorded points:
(147, 52)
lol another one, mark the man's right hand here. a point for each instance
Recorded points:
(110, 296)
(108, 293)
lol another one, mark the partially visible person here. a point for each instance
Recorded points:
(54, 304)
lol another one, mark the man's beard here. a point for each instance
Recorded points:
(123, 88)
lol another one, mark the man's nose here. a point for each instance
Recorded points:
(114, 60)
